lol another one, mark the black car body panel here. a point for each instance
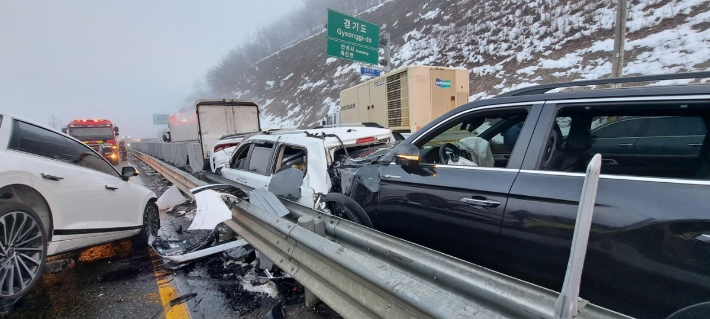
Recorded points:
(644, 256)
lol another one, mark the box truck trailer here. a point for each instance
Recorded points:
(205, 121)
(405, 99)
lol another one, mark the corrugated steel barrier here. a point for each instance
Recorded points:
(363, 273)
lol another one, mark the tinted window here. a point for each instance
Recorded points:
(260, 158)
(240, 160)
(91, 160)
(616, 129)
(649, 141)
(43, 142)
(674, 126)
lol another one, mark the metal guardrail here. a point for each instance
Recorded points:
(363, 273)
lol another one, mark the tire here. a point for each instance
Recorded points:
(24, 256)
(151, 224)
(345, 207)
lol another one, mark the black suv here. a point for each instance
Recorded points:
(497, 183)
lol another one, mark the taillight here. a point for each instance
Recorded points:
(218, 148)
(365, 140)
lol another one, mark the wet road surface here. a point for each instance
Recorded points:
(114, 281)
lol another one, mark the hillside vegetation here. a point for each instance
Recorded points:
(505, 44)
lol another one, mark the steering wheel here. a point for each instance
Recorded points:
(456, 153)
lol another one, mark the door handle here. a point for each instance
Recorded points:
(480, 202)
(51, 177)
(695, 144)
(111, 188)
(704, 238)
(609, 161)
(241, 181)
(624, 144)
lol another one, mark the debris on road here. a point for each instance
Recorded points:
(211, 210)
(206, 251)
(171, 198)
(58, 265)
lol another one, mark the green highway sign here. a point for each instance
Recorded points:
(160, 119)
(350, 51)
(352, 38)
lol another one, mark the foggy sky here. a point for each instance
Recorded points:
(120, 60)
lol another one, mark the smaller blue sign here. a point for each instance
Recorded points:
(444, 84)
(369, 71)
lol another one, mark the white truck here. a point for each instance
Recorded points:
(405, 99)
(196, 128)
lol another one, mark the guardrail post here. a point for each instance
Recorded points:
(566, 304)
(308, 223)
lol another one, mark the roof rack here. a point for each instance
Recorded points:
(541, 89)
(365, 124)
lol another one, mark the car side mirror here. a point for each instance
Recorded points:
(64, 130)
(128, 171)
(406, 155)
(116, 134)
(115, 129)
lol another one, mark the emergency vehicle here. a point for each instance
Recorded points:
(99, 134)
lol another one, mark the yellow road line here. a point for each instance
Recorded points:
(167, 291)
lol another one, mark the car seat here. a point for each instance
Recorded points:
(480, 150)
(579, 141)
(553, 154)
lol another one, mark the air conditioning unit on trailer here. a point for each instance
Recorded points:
(405, 99)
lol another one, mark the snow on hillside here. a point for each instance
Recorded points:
(505, 44)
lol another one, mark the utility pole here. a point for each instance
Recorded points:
(387, 62)
(617, 61)
(56, 123)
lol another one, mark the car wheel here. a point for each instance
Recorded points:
(151, 225)
(345, 207)
(23, 250)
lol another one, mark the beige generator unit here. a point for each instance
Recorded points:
(405, 99)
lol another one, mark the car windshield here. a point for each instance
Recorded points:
(91, 133)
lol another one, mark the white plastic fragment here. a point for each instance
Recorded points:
(211, 210)
(206, 252)
(171, 198)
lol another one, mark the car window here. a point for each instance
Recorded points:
(240, 159)
(485, 140)
(615, 127)
(638, 141)
(291, 157)
(92, 160)
(39, 141)
(674, 126)
(260, 158)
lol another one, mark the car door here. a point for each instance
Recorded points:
(616, 139)
(451, 208)
(123, 199)
(646, 257)
(671, 145)
(76, 195)
(251, 164)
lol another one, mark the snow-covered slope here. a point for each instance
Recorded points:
(505, 44)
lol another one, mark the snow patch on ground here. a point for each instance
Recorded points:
(330, 60)
(269, 84)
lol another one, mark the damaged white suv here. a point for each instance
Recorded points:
(303, 157)
(56, 195)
